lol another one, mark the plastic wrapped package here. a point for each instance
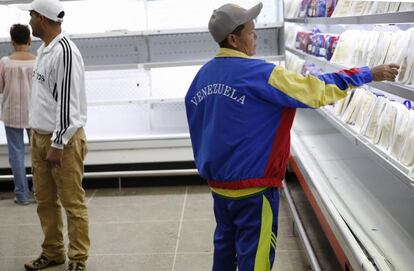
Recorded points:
(393, 6)
(318, 43)
(402, 128)
(292, 8)
(344, 47)
(370, 8)
(291, 31)
(369, 47)
(381, 49)
(370, 125)
(357, 8)
(402, 156)
(341, 105)
(310, 68)
(382, 7)
(311, 12)
(386, 123)
(407, 64)
(398, 48)
(358, 50)
(294, 63)
(330, 45)
(350, 114)
(407, 152)
(330, 7)
(304, 8)
(367, 104)
(342, 8)
(405, 6)
(303, 41)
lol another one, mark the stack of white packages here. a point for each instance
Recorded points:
(358, 8)
(371, 48)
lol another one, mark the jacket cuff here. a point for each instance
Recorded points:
(57, 146)
(366, 73)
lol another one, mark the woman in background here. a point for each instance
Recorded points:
(15, 82)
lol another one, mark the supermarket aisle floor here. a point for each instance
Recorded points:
(140, 228)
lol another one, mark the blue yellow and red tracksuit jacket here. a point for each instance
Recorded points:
(240, 111)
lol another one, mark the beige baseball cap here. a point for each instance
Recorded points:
(228, 17)
(51, 9)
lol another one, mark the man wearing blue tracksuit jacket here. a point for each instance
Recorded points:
(240, 111)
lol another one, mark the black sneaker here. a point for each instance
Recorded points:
(76, 266)
(43, 262)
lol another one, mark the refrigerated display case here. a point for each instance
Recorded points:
(362, 195)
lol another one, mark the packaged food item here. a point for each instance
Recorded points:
(398, 47)
(331, 41)
(344, 50)
(402, 128)
(407, 152)
(303, 41)
(342, 8)
(341, 105)
(368, 102)
(407, 63)
(393, 7)
(310, 68)
(381, 49)
(369, 46)
(406, 6)
(351, 112)
(304, 8)
(386, 123)
(357, 8)
(330, 7)
(371, 123)
(312, 8)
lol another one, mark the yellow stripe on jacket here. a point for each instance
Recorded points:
(306, 89)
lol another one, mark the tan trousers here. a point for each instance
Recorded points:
(56, 186)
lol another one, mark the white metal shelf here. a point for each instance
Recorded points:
(397, 89)
(386, 18)
(151, 65)
(374, 151)
(366, 206)
(149, 100)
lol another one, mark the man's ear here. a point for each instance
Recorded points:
(29, 42)
(232, 40)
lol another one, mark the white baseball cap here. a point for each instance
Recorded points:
(51, 9)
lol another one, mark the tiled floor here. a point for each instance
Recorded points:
(141, 228)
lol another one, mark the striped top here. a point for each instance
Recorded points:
(58, 98)
(15, 84)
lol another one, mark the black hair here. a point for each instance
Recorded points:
(20, 34)
(224, 43)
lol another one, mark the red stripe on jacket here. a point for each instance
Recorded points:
(278, 159)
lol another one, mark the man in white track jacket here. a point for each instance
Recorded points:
(57, 118)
